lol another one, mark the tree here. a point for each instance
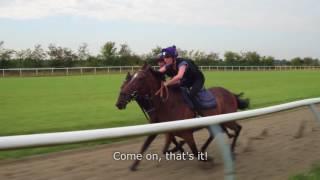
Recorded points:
(21, 56)
(267, 60)
(182, 53)
(156, 51)
(199, 55)
(213, 58)
(308, 61)
(83, 52)
(297, 61)
(108, 50)
(61, 57)
(190, 54)
(252, 58)
(6, 57)
(151, 57)
(5, 54)
(232, 58)
(124, 51)
(316, 62)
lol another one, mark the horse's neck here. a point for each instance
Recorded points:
(163, 109)
(173, 102)
(146, 106)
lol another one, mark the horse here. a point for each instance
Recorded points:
(146, 106)
(147, 83)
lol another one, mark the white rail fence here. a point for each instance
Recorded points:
(120, 69)
(46, 139)
(22, 141)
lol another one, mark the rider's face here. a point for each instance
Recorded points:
(168, 60)
(161, 63)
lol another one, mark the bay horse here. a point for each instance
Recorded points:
(146, 82)
(148, 110)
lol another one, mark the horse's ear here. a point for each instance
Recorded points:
(128, 76)
(145, 65)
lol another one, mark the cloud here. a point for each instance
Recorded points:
(281, 15)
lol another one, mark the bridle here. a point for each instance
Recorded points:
(148, 98)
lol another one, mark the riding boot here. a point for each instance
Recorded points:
(191, 101)
(196, 105)
(186, 97)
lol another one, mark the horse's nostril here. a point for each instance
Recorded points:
(120, 105)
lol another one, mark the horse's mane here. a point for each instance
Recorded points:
(158, 75)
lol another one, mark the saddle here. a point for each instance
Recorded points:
(203, 100)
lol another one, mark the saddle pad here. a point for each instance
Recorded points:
(206, 99)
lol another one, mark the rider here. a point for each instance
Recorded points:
(183, 72)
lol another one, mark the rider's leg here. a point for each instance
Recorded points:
(194, 89)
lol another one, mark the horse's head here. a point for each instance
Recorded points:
(142, 83)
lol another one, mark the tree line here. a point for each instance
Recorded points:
(112, 54)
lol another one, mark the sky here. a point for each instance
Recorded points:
(282, 29)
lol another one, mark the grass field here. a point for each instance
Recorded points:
(313, 174)
(49, 104)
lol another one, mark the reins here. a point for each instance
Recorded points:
(163, 89)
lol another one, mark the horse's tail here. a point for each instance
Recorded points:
(242, 103)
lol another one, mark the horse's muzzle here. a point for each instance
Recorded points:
(121, 106)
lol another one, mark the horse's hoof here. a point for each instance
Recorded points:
(210, 159)
(164, 152)
(233, 156)
(133, 168)
(207, 159)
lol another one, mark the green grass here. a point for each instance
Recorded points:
(313, 174)
(50, 104)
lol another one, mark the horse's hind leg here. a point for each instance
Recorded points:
(188, 137)
(227, 132)
(145, 146)
(237, 132)
(180, 145)
(237, 129)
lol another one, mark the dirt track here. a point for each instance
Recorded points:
(270, 147)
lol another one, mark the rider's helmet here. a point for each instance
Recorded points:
(170, 52)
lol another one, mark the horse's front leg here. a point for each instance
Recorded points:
(145, 146)
(168, 139)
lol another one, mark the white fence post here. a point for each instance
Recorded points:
(225, 150)
(315, 112)
(2, 72)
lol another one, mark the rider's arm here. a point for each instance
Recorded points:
(176, 79)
